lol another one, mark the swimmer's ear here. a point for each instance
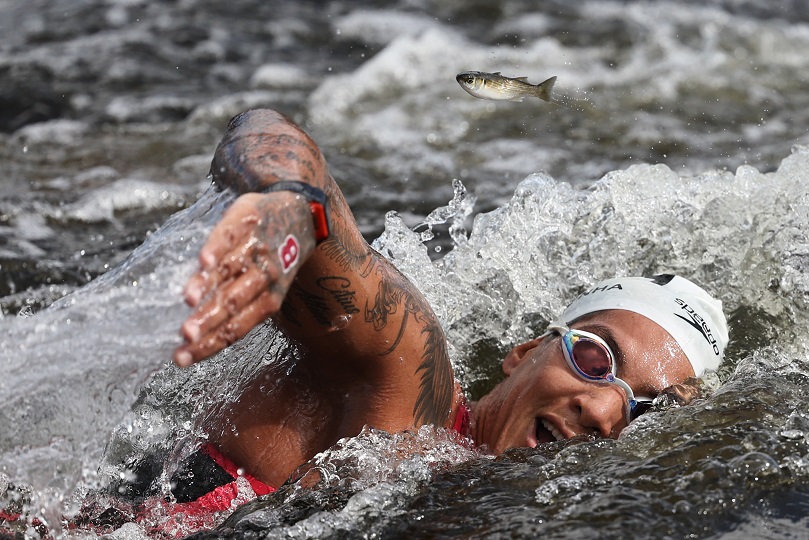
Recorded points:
(518, 354)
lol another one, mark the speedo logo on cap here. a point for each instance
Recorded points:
(699, 324)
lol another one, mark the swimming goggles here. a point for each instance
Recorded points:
(591, 358)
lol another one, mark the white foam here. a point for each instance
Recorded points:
(151, 108)
(62, 132)
(124, 194)
(280, 76)
(32, 227)
(735, 234)
(219, 111)
(380, 27)
(93, 350)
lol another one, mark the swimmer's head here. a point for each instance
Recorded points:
(686, 311)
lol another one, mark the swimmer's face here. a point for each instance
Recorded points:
(542, 399)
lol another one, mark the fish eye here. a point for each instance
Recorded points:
(469, 79)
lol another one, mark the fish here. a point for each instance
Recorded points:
(498, 87)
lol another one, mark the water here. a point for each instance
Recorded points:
(692, 158)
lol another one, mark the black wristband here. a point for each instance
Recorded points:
(317, 203)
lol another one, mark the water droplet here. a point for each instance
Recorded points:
(340, 322)
(792, 434)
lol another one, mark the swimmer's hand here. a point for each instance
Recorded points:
(246, 268)
(256, 250)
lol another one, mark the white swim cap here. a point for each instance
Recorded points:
(689, 314)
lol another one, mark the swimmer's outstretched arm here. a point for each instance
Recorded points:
(254, 253)
(358, 317)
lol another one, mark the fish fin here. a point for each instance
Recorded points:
(522, 79)
(496, 73)
(543, 89)
(520, 98)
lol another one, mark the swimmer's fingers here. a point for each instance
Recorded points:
(257, 229)
(230, 266)
(226, 252)
(230, 331)
(226, 303)
(248, 264)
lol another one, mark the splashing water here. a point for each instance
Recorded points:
(740, 235)
(95, 157)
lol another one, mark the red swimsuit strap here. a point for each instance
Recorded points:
(461, 424)
(220, 459)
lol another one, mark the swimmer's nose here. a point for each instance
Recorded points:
(601, 410)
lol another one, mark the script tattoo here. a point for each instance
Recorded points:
(290, 313)
(340, 289)
(314, 303)
(396, 293)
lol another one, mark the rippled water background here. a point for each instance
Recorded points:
(692, 159)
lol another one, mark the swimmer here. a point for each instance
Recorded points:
(289, 249)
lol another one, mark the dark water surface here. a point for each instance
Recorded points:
(691, 157)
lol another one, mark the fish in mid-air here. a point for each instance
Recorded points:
(501, 88)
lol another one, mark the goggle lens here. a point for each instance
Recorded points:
(591, 358)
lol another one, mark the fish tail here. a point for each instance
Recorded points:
(579, 103)
(543, 89)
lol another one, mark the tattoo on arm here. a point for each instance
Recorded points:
(345, 255)
(277, 224)
(436, 386)
(316, 304)
(340, 289)
(290, 313)
(277, 150)
(437, 382)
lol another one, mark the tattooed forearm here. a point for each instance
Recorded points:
(339, 247)
(277, 148)
(334, 249)
(345, 246)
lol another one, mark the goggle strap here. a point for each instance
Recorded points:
(630, 395)
(559, 327)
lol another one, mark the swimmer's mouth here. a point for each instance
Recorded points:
(547, 432)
